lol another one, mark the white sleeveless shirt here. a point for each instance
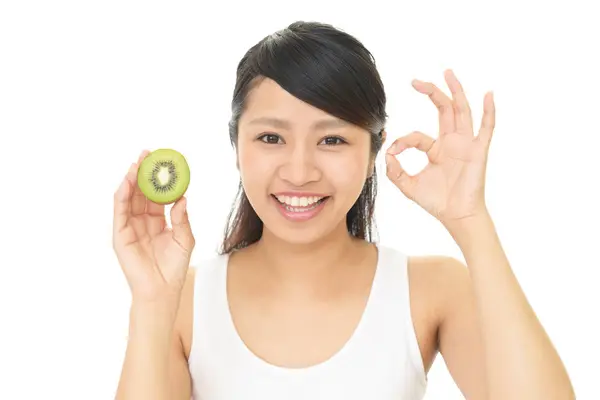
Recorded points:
(381, 361)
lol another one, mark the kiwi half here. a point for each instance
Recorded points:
(164, 176)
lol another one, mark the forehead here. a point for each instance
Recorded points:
(269, 103)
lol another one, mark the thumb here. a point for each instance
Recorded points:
(182, 231)
(399, 177)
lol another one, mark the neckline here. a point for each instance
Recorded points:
(249, 356)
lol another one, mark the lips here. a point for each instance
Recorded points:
(296, 201)
(300, 208)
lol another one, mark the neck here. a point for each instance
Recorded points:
(301, 265)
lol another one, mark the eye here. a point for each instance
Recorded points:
(333, 141)
(270, 138)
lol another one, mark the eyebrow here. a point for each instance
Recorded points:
(284, 124)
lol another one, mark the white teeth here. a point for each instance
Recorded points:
(299, 201)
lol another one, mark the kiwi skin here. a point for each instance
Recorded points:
(164, 176)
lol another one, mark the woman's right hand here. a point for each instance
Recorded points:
(154, 258)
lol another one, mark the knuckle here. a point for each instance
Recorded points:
(444, 106)
(461, 107)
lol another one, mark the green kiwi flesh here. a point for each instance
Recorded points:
(164, 176)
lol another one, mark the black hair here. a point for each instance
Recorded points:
(328, 69)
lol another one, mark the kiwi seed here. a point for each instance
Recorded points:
(164, 176)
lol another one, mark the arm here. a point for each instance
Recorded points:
(155, 367)
(490, 315)
(155, 260)
(503, 336)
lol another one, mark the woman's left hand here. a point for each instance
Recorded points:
(451, 186)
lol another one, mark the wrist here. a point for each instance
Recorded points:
(153, 316)
(470, 228)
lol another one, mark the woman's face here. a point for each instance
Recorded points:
(302, 169)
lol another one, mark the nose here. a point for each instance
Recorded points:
(300, 168)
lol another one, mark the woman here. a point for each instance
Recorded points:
(301, 304)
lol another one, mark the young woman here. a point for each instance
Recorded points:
(301, 304)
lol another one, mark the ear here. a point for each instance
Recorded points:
(383, 135)
(371, 167)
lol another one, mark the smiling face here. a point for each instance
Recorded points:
(302, 169)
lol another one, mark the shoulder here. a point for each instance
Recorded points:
(436, 275)
(433, 284)
(437, 271)
(439, 283)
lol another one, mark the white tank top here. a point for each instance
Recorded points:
(381, 361)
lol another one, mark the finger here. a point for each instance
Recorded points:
(488, 121)
(399, 176)
(405, 182)
(138, 203)
(462, 110)
(182, 231)
(122, 206)
(155, 223)
(154, 209)
(441, 101)
(416, 139)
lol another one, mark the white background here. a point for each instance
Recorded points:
(85, 86)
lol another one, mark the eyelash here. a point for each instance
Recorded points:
(338, 139)
(268, 135)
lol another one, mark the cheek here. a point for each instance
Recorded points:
(255, 168)
(346, 172)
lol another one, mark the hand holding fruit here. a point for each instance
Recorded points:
(154, 258)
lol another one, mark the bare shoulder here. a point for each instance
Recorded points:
(438, 273)
(439, 282)
(434, 284)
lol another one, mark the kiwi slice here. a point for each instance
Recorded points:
(164, 176)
